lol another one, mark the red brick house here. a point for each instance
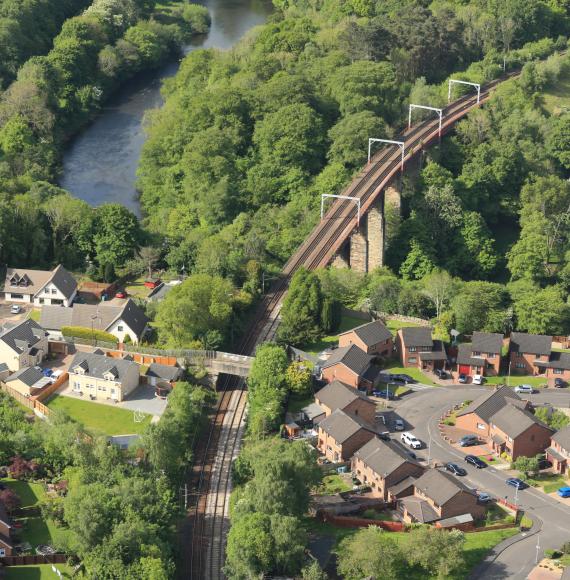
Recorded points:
(526, 350)
(438, 495)
(352, 366)
(557, 367)
(341, 435)
(373, 338)
(382, 465)
(6, 546)
(559, 450)
(482, 356)
(337, 395)
(417, 348)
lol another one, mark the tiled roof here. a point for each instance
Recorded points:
(556, 454)
(437, 352)
(371, 333)
(420, 509)
(352, 357)
(464, 356)
(134, 317)
(28, 375)
(313, 410)
(37, 279)
(490, 342)
(63, 281)
(417, 336)
(383, 457)
(514, 421)
(402, 485)
(440, 486)
(562, 437)
(337, 395)
(98, 365)
(557, 360)
(23, 336)
(487, 405)
(165, 372)
(531, 343)
(342, 426)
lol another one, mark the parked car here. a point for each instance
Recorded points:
(544, 464)
(527, 389)
(478, 379)
(469, 440)
(402, 378)
(516, 482)
(411, 440)
(474, 460)
(455, 469)
(385, 395)
(559, 383)
(47, 372)
(483, 497)
(55, 375)
(121, 294)
(15, 309)
(564, 491)
(384, 435)
(399, 425)
(462, 378)
(440, 373)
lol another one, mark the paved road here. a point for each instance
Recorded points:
(422, 409)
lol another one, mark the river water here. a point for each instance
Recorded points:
(100, 164)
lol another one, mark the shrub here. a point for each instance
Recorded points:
(553, 554)
(449, 421)
(87, 333)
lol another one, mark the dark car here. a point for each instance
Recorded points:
(516, 482)
(559, 383)
(474, 460)
(469, 440)
(440, 373)
(402, 378)
(455, 469)
(385, 395)
(462, 378)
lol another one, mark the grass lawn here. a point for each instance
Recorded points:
(395, 325)
(346, 323)
(35, 315)
(491, 459)
(515, 380)
(412, 371)
(137, 289)
(497, 515)
(99, 418)
(333, 484)
(41, 572)
(548, 482)
(556, 99)
(30, 493)
(372, 514)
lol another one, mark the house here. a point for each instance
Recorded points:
(27, 381)
(337, 395)
(437, 496)
(163, 377)
(40, 286)
(527, 352)
(103, 377)
(559, 450)
(128, 319)
(352, 366)
(159, 292)
(23, 345)
(6, 529)
(557, 367)
(482, 356)
(373, 338)
(417, 348)
(383, 464)
(504, 420)
(341, 434)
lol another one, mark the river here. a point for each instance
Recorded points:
(100, 164)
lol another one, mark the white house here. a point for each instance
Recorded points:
(40, 287)
(23, 345)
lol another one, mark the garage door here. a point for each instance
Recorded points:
(464, 369)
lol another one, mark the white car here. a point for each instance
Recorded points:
(527, 389)
(478, 379)
(411, 440)
(399, 425)
(15, 309)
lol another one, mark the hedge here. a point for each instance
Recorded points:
(87, 333)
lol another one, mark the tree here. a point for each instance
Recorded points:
(480, 306)
(528, 466)
(313, 572)
(438, 551)
(116, 234)
(200, 304)
(370, 553)
(543, 311)
(299, 378)
(150, 256)
(439, 288)
(10, 499)
(558, 140)
(552, 417)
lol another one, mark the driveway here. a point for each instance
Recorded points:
(143, 399)
(422, 411)
(7, 317)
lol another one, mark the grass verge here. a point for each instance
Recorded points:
(515, 380)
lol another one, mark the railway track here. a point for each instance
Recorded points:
(205, 557)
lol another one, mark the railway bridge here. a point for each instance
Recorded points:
(351, 232)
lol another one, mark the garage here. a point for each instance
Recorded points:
(464, 370)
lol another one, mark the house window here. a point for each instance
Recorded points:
(519, 365)
(558, 371)
(102, 388)
(519, 354)
(120, 328)
(489, 365)
(2, 552)
(46, 290)
(412, 359)
(476, 353)
(412, 349)
(481, 426)
(17, 296)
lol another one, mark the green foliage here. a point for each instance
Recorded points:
(528, 466)
(552, 417)
(88, 334)
(298, 378)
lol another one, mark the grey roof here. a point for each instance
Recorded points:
(342, 426)
(514, 421)
(531, 343)
(28, 375)
(417, 336)
(464, 356)
(97, 365)
(490, 342)
(562, 437)
(556, 454)
(312, 411)
(371, 333)
(37, 279)
(557, 360)
(455, 520)
(160, 292)
(403, 485)
(487, 405)
(498, 439)
(101, 316)
(165, 372)
(420, 509)
(352, 357)
(63, 281)
(3, 367)
(23, 336)
(437, 352)
(440, 486)
(383, 457)
(337, 395)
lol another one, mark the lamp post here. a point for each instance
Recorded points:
(509, 374)
(94, 317)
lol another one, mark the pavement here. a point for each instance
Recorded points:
(422, 410)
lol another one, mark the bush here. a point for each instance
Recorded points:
(553, 554)
(87, 333)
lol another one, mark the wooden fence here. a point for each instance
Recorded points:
(33, 560)
(356, 522)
